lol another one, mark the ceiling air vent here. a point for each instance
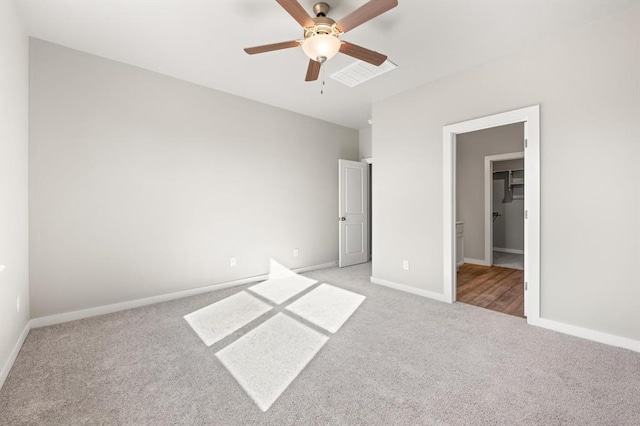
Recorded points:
(359, 72)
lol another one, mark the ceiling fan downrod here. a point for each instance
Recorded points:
(321, 9)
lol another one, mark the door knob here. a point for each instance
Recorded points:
(343, 218)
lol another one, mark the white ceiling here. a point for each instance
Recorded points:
(201, 41)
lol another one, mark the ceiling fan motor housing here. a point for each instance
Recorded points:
(323, 25)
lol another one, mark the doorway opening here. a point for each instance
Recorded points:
(491, 276)
(478, 255)
(504, 210)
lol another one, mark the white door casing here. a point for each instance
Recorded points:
(530, 116)
(353, 203)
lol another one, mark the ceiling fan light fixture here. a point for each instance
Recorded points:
(322, 34)
(321, 47)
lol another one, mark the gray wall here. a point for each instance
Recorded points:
(364, 136)
(508, 164)
(471, 148)
(14, 137)
(141, 184)
(587, 86)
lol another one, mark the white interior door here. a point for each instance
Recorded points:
(352, 212)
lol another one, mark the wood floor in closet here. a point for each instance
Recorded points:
(492, 287)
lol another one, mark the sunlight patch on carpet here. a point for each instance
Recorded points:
(327, 306)
(282, 284)
(218, 320)
(267, 360)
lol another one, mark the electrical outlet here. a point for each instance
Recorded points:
(18, 304)
(295, 252)
(405, 265)
(232, 262)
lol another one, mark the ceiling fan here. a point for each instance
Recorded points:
(321, 34)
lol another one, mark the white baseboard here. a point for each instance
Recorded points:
(116, 307)
(585, 333)
(100, 310)
(475, 261)
(508, 250)
(14, 354)
(408, 289)
(316, 267)
(596, 336)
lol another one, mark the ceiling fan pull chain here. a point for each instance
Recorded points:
(322, 79)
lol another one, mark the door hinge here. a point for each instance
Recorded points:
(525, 143)
(526, 214)
(526, 286)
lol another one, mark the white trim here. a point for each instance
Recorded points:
(531, 118)
(116, 307)
(4, 373)
(449, 215)
(481, 262)
(488, 199)
(408, 289)
(585, 333)
(368, 160)
(508, 250)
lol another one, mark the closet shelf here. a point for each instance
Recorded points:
(516, 177)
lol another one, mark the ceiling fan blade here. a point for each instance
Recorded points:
(313, 70)
(363, 54)
(365, 13)
(271, 47)
(297, 12)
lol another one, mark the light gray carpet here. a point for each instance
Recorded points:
(399, 359)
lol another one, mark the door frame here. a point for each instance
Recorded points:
(488, 200)
(530, 116)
